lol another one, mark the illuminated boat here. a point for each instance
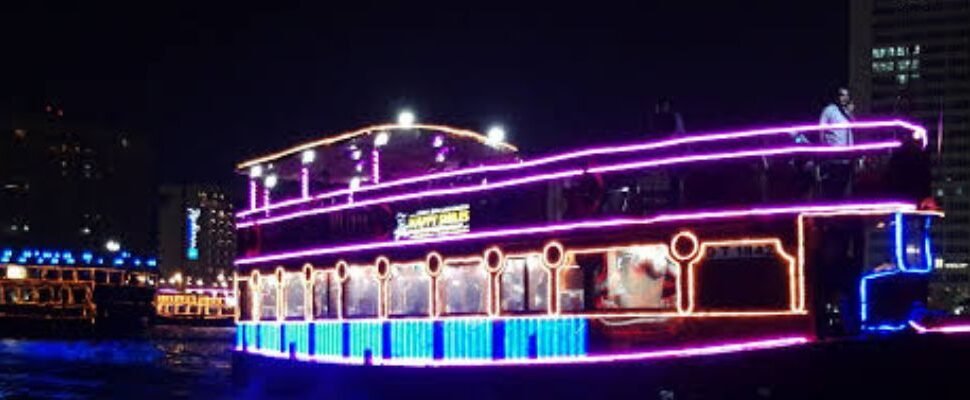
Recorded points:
(55, 292)
(195, 306)
(425, 245)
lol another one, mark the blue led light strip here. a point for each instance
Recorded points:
(461, 339)
(899, 245)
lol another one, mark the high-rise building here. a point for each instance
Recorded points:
(911, 58)
(197, 238)
(68, 184)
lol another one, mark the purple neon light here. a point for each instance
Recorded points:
(595, 224)
(679, 352)
(375, 168)
(569, 173)
(613, 149)
(252, 194)
(960, 328)
(411, 196)
(304, 182)
(744, 154)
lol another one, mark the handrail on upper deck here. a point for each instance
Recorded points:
(918, 132)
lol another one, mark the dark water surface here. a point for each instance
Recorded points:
(197, 363)
(171, 362)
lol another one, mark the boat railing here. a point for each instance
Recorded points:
(762, 149)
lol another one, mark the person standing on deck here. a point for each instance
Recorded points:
(835, 176)
(666, 121)
(837, 112)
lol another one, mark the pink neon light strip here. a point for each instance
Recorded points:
(411, 196)
(375, 166)
(305, 182)
(595, 224)
(744, 154)
(681, 352)
(569, 173)
(961, 328)
(612, 149)
(252, 194)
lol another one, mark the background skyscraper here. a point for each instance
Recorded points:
(909, 58)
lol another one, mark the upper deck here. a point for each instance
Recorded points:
(360, 175)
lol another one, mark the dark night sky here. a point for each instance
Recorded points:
(214, 84)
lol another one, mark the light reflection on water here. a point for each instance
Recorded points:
(172, 362)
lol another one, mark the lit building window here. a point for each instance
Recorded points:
(882, 66)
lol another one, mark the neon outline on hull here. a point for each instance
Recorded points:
(955, 328)
(681, 352)
(779, 251)
(592, 224)
(898, 250)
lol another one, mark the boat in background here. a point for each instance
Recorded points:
(195, 306)
(56, 293)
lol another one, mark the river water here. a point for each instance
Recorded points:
(196, 363)
(170, 362)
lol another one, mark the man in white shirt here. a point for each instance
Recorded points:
(836, 175)
(837, 113)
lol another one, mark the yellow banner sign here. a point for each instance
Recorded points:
(433, 222)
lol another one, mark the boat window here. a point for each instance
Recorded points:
(29, 295)
(571, 288)
(765, 285)
(45, 295)
(463, 288)
(295, 291)
(245, 301)
(84, 275)
(49, 274)
(632, 278)
(408, 290)
(334, 297)
(100, 277)
(12, 295)
(361, 292)
(80, 295)
(525, 285)
(267, 297)
(321, 295)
